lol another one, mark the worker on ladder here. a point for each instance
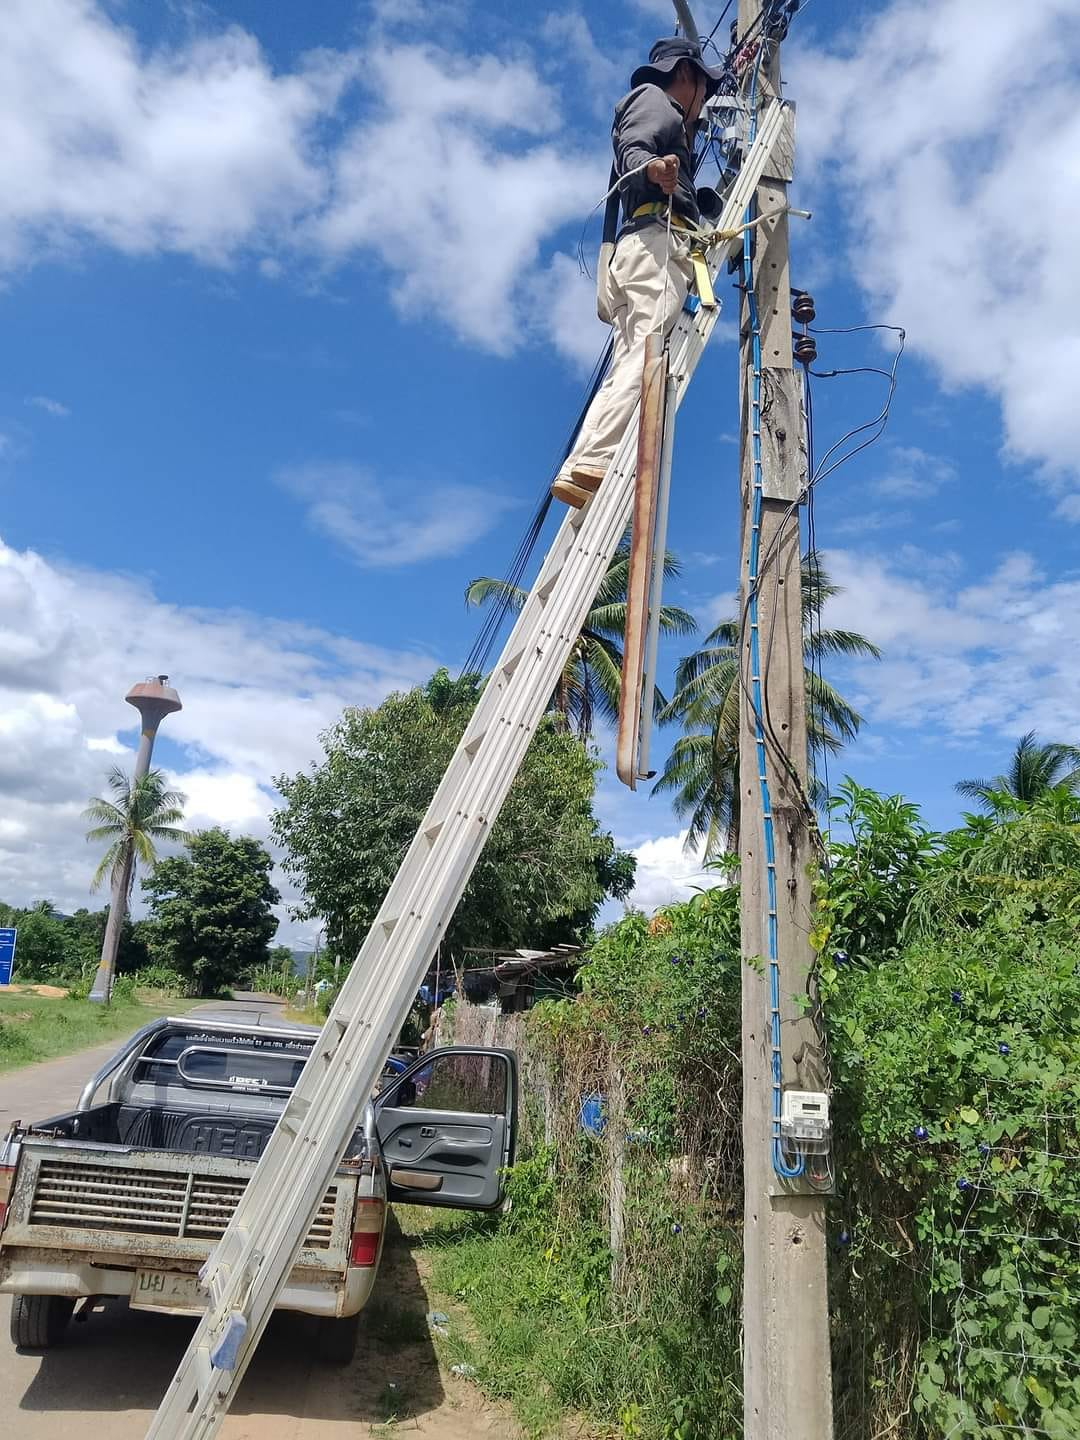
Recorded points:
(645, 275)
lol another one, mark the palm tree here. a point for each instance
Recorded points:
(702, 771)
(589, 684)
(140, 812)
(1034, 769)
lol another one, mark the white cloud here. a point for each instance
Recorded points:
(256, 693)
(658, 10)
(562, 310)
(50, 406)
(201, 147)
(666, 872)
(605, 77)
(383, 525)
(196, 148)
(224, 797)
(718, 608)
(489, 179)
(1001, 655)
(913, 474)
(866, 522)
(108, 743)
(954, 155)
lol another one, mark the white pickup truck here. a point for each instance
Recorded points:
(128, 1195)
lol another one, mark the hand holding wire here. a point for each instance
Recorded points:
(664, 171)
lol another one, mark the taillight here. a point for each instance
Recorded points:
(367, 1230)
(7, 1176)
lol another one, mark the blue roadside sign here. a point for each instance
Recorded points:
(7, 955)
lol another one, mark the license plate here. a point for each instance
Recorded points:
(166, 1288)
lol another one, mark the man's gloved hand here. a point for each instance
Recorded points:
(664, 171)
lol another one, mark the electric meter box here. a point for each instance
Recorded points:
(804, 1119)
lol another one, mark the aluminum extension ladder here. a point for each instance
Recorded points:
(249, 1266)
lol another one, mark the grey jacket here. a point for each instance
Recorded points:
(648, 124)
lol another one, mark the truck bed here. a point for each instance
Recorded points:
(180, 1129)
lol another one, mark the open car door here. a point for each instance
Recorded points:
(447, 1128)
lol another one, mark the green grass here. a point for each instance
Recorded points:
(36, 1027)
(507, 1319)
(303, 1015)
(532, 1312)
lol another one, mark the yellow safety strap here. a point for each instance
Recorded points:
(702, 278)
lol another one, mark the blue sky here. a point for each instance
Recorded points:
(294, 332)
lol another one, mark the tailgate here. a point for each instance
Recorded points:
(150, 1204)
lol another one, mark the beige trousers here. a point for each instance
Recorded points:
(646, 290)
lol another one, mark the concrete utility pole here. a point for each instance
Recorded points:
(154, 699)
(787, 1389)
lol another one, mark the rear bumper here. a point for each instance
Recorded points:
(25, 1271)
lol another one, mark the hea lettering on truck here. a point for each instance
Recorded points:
(127, 1194)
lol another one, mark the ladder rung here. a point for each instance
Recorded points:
(544, 591)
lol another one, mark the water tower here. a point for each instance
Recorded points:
(154, 699)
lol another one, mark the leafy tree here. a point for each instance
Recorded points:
(589, 684)
(210, 916)
(1034, 769)
(1024, 854)
(42, 952)
(864, 898)
(276, 976)
(347, 823)
(141, 812)
(956, 1118)
(60, 949)
(702, 771)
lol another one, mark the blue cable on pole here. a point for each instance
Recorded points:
(780, 1164)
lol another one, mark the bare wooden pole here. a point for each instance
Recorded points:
(787, 1390)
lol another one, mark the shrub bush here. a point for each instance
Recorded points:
(613, 1286)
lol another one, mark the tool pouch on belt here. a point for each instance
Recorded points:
(607, 249)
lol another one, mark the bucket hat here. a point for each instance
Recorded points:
(666, 54)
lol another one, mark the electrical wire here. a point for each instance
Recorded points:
(709, 38)
(817, 667)
(874, 428)
(477, 659)
(783, 1167)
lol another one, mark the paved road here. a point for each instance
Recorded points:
(37, 1091)
(111, 1372)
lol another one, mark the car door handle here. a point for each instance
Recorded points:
(427, 1132)
(405, 1143)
